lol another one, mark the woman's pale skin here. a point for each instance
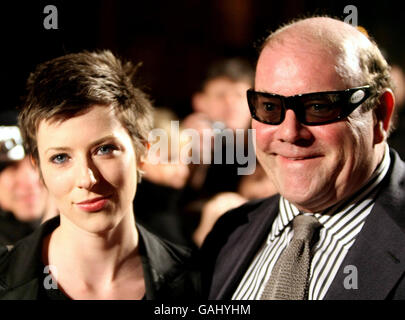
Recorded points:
(88, 164)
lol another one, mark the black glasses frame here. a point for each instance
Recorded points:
(349, 100)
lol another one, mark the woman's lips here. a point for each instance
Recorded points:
(93, 205)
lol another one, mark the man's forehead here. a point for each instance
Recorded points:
(276, 64)
(287, 70)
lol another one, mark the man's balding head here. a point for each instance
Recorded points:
(358, 60)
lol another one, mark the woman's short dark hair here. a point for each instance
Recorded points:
(69, 85)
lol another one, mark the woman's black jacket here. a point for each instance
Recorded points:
(169, 271)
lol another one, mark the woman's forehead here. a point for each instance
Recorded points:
(97, 122)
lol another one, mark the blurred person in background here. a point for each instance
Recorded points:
(397, 137)
(222, 95)
(157, 198)
(23, 197)
(220, 104)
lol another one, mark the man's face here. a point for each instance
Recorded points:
(21, 191)
(311, 166)
(225, 100)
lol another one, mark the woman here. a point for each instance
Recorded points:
(86, 125)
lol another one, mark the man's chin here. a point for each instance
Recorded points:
(302, 198)
(28, 216)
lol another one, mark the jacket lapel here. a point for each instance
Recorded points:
(378, 254)
(28, 291)
(240, 249)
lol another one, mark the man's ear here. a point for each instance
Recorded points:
(383, 114)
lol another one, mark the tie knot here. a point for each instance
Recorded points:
(304, 227)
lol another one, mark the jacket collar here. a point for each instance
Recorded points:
(378, 254)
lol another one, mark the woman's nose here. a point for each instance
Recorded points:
(86, 177)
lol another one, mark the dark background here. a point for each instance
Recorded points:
(175, 40)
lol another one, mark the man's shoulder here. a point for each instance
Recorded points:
(234, 239)
(242, 218)
(391, 199)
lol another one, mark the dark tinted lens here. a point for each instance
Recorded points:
(322, 107)
(310, 108)
(268, 109)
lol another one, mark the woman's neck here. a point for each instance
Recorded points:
(94, 261)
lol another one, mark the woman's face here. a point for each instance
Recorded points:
(88, 164)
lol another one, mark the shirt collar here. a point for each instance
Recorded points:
(288, 211)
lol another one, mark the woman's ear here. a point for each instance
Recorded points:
(33, 161)
(144, 157)
(383, 114)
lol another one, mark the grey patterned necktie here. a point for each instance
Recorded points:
(289, 277)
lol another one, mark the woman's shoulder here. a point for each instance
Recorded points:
(161, 250)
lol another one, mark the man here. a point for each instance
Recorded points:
(220, 108)
(23, 198)
(222, 93)
(220, 104)
(321, 106)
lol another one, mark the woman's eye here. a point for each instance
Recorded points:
(59, 158)
(106, 149)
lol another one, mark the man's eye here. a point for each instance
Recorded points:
(268, 106)
(59, 158)
(106, 149)
(319, 106)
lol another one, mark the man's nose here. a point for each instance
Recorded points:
(291, 130)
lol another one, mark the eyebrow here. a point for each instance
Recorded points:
(97, 142)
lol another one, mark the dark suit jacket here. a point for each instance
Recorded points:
(378, 252)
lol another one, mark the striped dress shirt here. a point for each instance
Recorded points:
(340, 225)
